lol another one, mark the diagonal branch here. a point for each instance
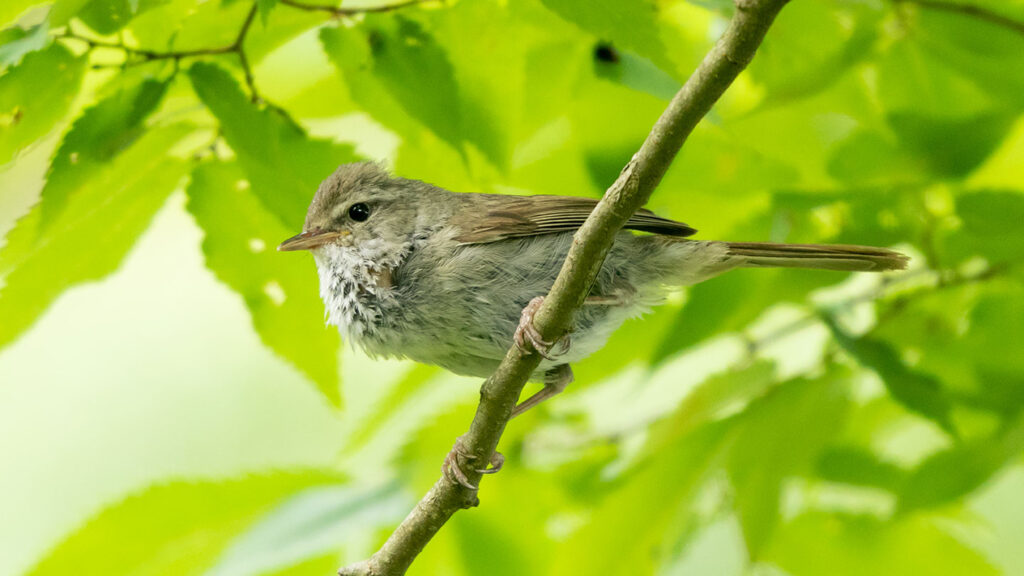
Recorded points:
(730, 55)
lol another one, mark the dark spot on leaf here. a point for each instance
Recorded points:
(605, 52)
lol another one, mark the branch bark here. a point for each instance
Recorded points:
(730, 55)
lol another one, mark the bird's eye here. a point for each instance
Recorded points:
(359, 212)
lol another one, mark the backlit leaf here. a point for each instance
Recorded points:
(35, 95)
(197, 521)
(280, 289)
(92, 234)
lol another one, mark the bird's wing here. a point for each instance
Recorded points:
(493, 217)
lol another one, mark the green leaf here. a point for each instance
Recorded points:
(177, 528)
(792, 63)
(411, 67)
(919, 392)
(65, 10)
(650, 507)
(781, 435)
(952, 474)
(108, 16)
(731, 302)
(310, 524)
(990, 226)
(35, 95)
(280, 290)
(16, 42)
(631, 25)
(282, 163)
(633, 71)
(265, 6)
(99, 135)
(94, 232)
(844, 545)
(403, 391)
(951, 147)
(11, 9)
(860, 467)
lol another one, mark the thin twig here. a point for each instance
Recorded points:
(340, 11)
(143, 56)
(731, 54)
(969, 10)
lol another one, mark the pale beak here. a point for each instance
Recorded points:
(311, 239)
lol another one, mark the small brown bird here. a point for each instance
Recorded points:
(408, 269)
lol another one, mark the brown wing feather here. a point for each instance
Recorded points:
(496, 217)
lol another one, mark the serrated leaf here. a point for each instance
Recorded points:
(280, 290)
(176, 528)
(11, 9)
(631, 25)
(96, 137)
(408, 64)
(16, 42)
(110, 16)
(308, 525)
(35, 95)
(282, 163)
(92, 235)
(918, 392)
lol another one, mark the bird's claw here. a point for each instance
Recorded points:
(526, 332)
(452, 467)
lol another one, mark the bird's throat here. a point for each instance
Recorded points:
(356, 286)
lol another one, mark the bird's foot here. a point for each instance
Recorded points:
(555, 380)
(452, 466)
(527, 334)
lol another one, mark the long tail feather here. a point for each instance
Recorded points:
(822, 256)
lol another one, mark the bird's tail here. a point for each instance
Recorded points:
(841, 257)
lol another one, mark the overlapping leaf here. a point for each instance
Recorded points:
(35, 95)
(283, 165)
(280, 290)
(92, 234)
(98, 136)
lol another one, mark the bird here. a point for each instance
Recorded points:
(411, 270)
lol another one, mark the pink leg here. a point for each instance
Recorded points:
(526, 332)
(555, 380)
(452, 467)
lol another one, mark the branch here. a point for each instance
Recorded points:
(146, 56)
(730, 55)
(969, 10)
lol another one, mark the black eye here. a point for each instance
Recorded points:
(359, 212)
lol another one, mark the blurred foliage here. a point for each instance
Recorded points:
(850, 426)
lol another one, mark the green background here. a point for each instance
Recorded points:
(171, 402)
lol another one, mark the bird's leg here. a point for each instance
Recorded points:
(555, 380)
(526, 332)
(452, 466)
